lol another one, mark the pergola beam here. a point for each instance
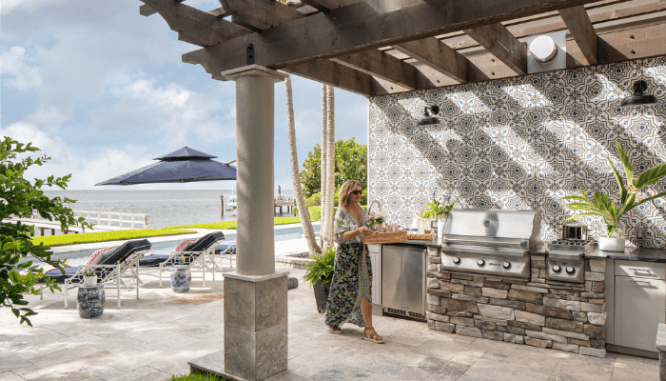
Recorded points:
(195, 26)
(381, 65)
(368, 24)
(497, 40)
(335, 74)
(436, 55)
(259, 15)
(580, 27)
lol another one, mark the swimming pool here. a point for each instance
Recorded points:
(76, 258)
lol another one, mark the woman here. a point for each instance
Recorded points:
(349, 295)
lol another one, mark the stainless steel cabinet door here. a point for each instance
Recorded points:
(403, 278)
(639, 308)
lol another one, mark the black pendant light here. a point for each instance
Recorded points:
(428, 119)
(639, 98)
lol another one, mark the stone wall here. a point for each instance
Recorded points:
(564, 316)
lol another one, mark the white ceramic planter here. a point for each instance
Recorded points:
(611, 244)
(90, 281)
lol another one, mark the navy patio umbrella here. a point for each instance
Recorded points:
(182, 166)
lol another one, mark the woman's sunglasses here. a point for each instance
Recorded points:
(357, 192)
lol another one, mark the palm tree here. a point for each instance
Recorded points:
(330, 164)
(324, 159)
(295, 175)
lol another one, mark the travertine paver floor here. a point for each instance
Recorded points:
(154, 338)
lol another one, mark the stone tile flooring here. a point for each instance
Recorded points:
(154, 338)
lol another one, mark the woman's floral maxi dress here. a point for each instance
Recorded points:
(352, 276)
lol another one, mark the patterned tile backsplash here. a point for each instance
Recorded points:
(522, 143)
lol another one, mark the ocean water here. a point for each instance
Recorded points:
(164, 208)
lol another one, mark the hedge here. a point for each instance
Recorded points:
(230, 225)
(118, 235)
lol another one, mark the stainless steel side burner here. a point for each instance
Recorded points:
(490, 241)
(566, 259)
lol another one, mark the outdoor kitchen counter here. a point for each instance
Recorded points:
(630, 254)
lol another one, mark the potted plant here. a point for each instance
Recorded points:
(375, 219)
(89, 277)
(438, 212)
(601, 205)
(319, 272)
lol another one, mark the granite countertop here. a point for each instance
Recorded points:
(629, 254)
(415, 242)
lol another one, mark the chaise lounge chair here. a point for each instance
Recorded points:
(196, 254)
(119, 263)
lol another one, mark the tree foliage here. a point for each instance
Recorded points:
(350, 164)
(21, 198)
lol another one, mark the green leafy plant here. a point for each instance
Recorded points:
(436, 208)
(88, 271)
(601, 204)
(320, 268)
(21, 198)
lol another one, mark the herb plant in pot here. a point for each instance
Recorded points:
(601, 205)
(438, 213)
(319, 272)
(89, 277)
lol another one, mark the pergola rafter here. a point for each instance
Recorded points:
(376, 47)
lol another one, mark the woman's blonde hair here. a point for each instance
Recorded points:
(345, 191)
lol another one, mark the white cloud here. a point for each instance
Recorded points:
(171, 112)
(22, 75)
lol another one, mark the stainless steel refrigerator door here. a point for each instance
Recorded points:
(403, 278)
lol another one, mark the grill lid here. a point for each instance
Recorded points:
(493, 227)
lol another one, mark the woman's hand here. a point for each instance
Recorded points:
(364, 229)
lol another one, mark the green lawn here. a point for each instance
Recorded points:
(72, 239)
(197, 377)
(232, 224)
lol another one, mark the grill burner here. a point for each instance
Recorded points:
(566, 259)
(490, 241)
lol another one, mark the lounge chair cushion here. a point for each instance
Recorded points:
(153, 260)
(60, 277)
(125, 250)
(204, 242)
(99, 255)
(223, 248)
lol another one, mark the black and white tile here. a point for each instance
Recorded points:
(521, 143)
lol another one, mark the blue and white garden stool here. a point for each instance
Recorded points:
(90, 301)
(180, 278)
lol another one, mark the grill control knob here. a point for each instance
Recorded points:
(480, 262)
(456, 260)
(557, 268)
(570, 270)
(506, 265)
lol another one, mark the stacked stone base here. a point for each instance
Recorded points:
(568, 317)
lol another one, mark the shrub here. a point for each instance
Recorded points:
(72, 239)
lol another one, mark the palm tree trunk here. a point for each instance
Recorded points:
(295, 174)
(330, 170)
(323, 167)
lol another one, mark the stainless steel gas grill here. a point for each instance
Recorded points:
(566, 260)
(490, 241)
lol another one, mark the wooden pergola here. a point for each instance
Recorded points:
(372, 48)
(379, 47)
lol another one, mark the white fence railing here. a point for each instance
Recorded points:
(117, 219)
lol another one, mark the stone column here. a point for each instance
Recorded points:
(255, 296)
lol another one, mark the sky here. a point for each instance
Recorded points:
(102, 91)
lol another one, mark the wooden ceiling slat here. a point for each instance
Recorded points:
(497, 40)
(436, 55)
(580, 26)
(615, 15)
(381, 65)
